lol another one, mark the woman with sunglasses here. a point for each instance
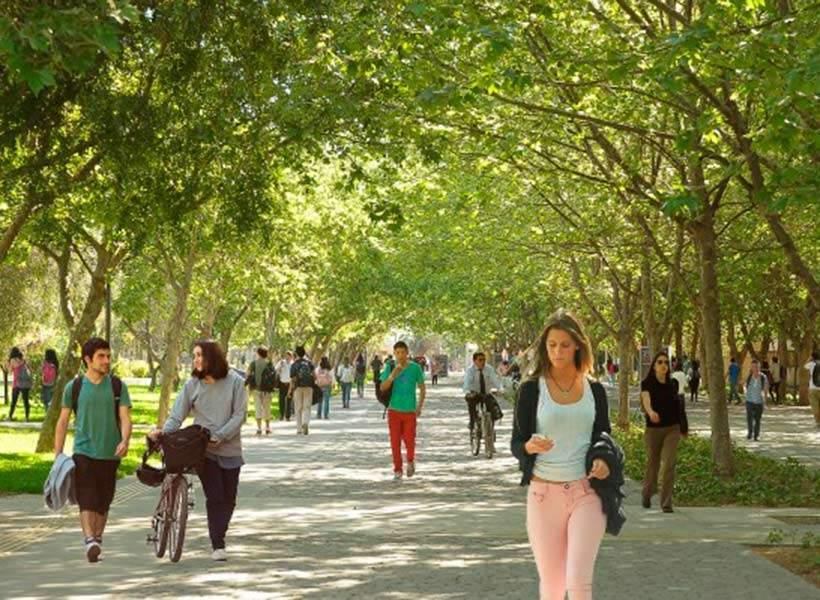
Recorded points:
(665, 423)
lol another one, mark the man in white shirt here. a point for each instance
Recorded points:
(813, 367)
(285, 403)
(479, 380)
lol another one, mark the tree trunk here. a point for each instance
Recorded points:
(72, 360)
(781, 358)
(625, 345)
(173, 336)
(705, 239)
(650, 323)
(13, 230)
(804, 352)
(679, 339)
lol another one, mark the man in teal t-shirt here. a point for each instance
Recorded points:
(403, 410)
(101, 437)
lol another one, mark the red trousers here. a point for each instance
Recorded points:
(402, 426)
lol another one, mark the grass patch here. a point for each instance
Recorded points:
(144, 406)
(758, 480)
(24, 472)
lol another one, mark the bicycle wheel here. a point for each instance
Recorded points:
(179, 517)
(489, 435)
(159, 522)
(475, 437)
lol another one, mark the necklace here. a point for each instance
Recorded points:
(562, 390)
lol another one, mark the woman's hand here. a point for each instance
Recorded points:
(538, 444)
(214, 443)
(600, 470)
(155, 435)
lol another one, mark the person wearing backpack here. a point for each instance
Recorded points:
(261, 397)
(215, 394)
(346, 374)
(102, 431)
(324, 379)
(361, 372)
(376, 368)
(813, 367)
(21, 381)
(757, 386)
(51, 366)
(302, 380)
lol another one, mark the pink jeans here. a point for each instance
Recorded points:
(565, 524)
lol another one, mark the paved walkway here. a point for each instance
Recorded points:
(319, 517)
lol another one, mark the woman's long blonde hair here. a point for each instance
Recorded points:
(565, 321)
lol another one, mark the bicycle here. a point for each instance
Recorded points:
(482, 427)
(170, 519)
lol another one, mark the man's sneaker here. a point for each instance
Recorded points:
(92, 551)
(411, 469)
(396, 475)
(219, 554)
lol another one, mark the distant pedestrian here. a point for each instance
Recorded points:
(734, 375)
(346, 374)
(22, 381)
(49, 371)
(261, 397)
(757, 387)
(376, 368)
(434, 371)
(101, 406)
(285, 400)
(302, 380)
(694, 380)
(813, 367)
(665, 423)
(324, 379)
(361, 374)
(216, 396)
(777, 375)
(610, 371)
(403, 410)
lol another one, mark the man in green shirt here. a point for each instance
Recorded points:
(403, 410)
(102, 430)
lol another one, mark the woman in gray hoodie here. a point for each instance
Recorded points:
(216, 396)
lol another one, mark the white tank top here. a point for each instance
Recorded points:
(570, 426)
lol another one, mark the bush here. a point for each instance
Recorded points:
(758, 480)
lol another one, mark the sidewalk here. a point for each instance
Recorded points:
(319, 517)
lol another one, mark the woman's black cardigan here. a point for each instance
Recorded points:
(601, 446)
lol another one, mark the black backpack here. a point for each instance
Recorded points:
(304, 373)
(815, 374)
(268, 378)
(116, 386)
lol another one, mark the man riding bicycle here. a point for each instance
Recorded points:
(479, 380)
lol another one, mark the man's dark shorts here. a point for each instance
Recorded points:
(95, 481)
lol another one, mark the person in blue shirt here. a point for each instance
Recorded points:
(734, 375)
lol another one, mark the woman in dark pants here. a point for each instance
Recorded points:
(665, 423)
(216, 396)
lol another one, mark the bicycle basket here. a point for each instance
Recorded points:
(185, 449)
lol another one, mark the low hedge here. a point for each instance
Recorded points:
(758, 480)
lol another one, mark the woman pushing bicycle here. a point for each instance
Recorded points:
(216, 396)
